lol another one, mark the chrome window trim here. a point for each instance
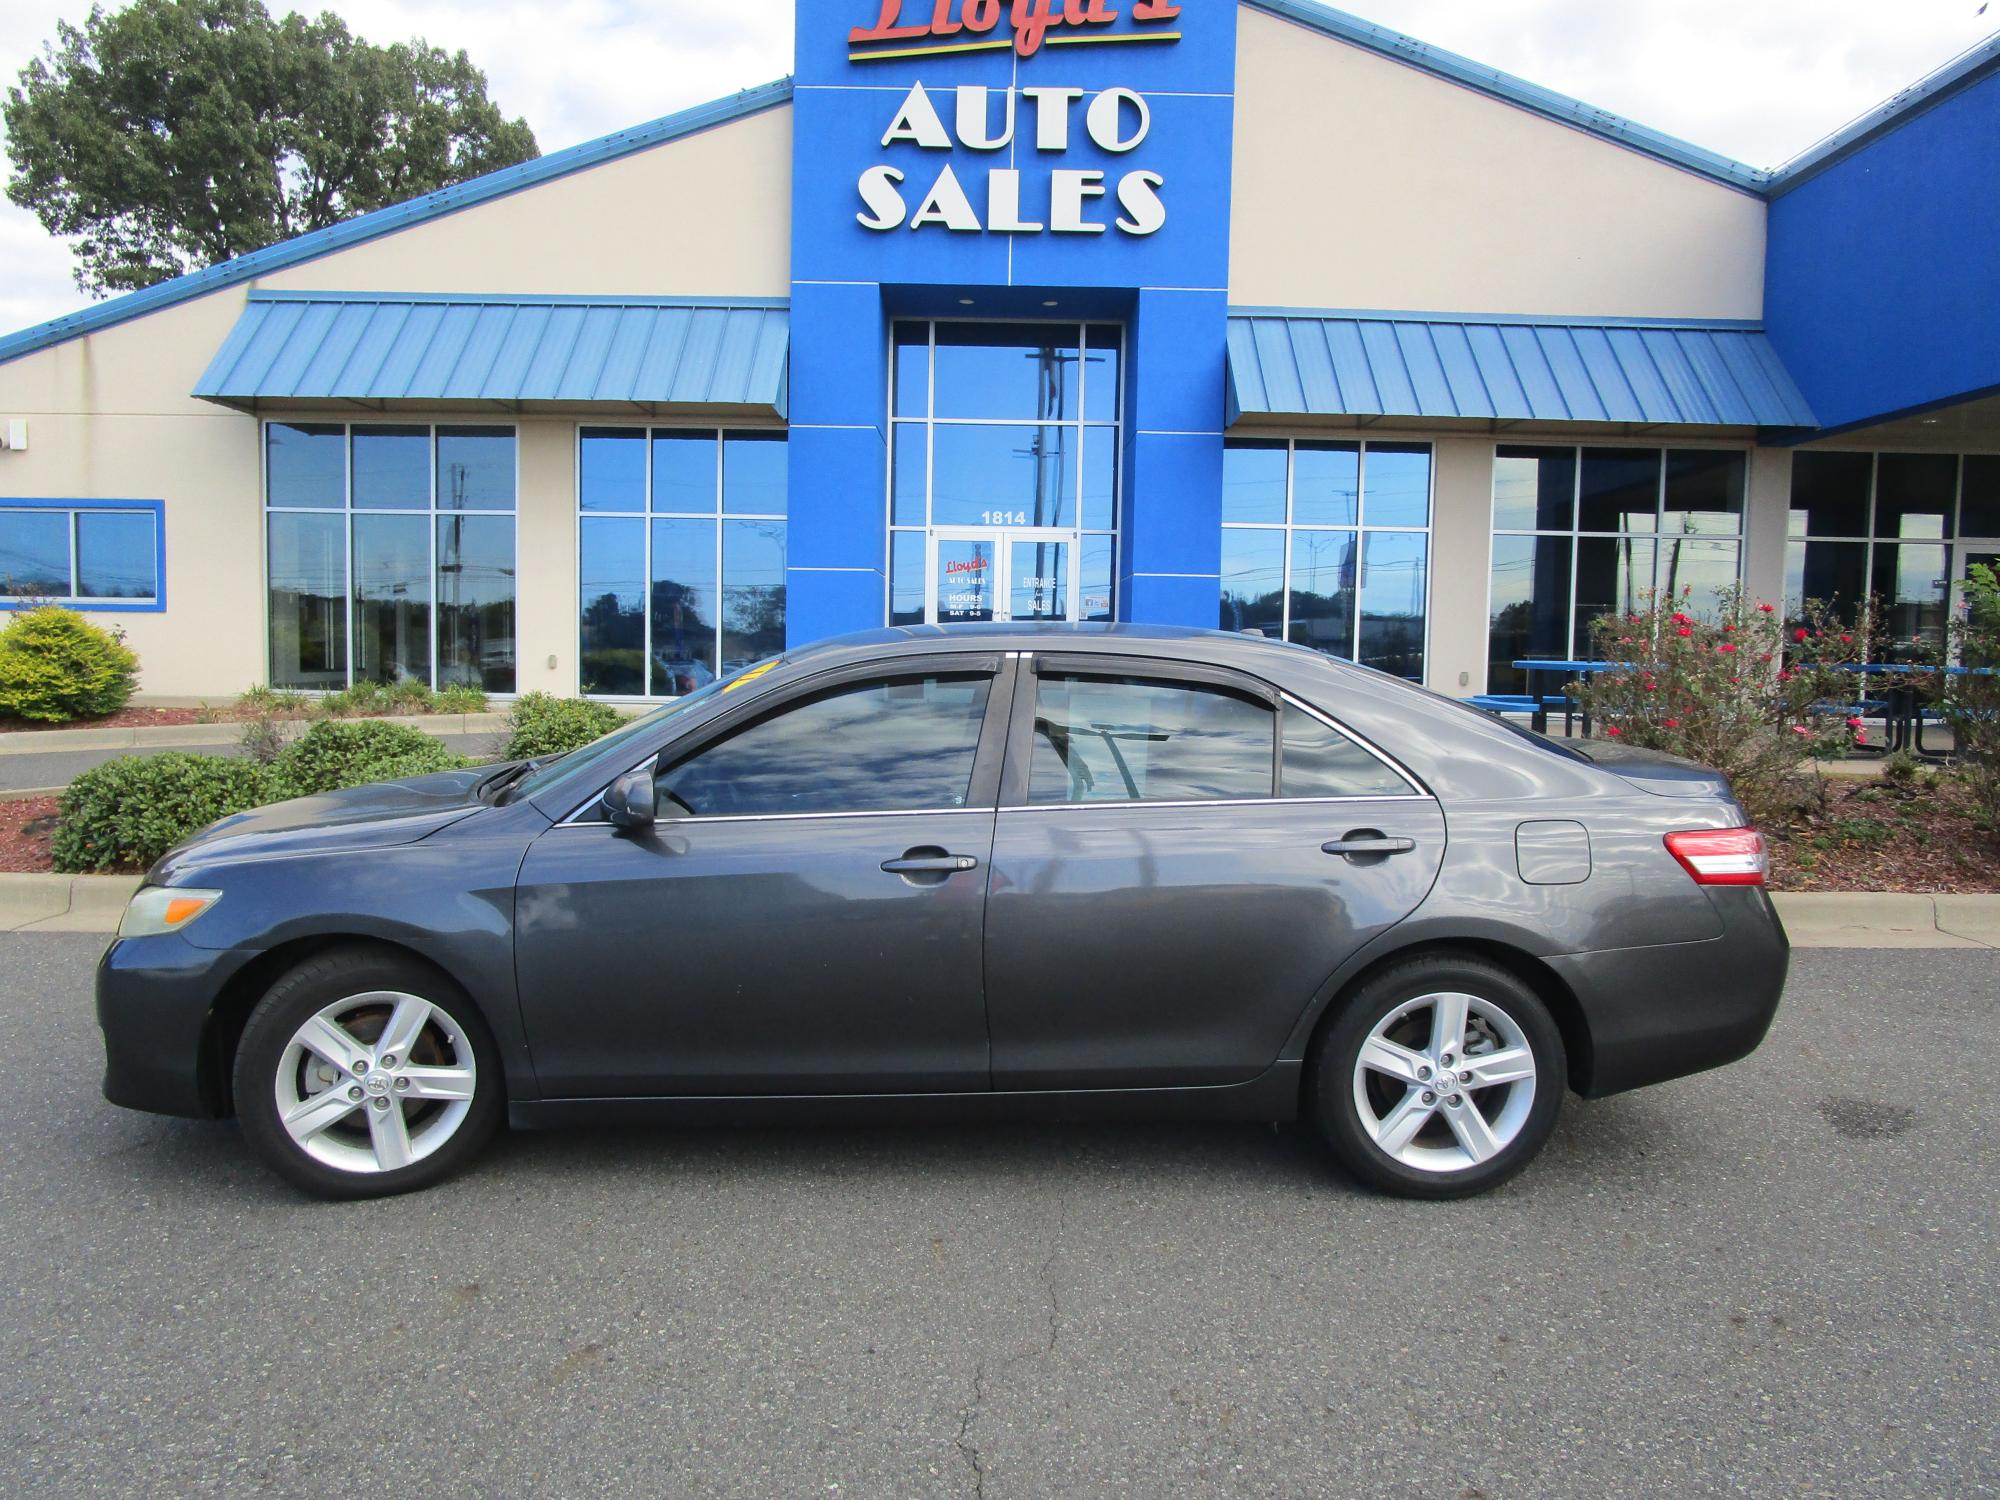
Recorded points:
(1416, 787)
(921, 812)
(1043, 807)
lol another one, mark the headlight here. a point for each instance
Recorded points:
(164, 908)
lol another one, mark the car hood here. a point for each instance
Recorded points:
(377, 816)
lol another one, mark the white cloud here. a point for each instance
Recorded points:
(1759, 82)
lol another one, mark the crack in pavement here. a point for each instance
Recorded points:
(967, 1449)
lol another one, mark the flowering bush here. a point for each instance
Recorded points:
(1970, 702)
(1734, 690)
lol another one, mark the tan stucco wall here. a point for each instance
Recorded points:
(109, 414)
(705, 216)
(1364, 183)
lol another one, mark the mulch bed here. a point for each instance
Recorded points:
(1880, 836)
(125, 718)
(24, 836)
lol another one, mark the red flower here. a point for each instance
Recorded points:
(1847, 640)
(1670, 723)
(1767, 609)
(1614, 731)
(1801, 634)
(1853, 723)
(1800, 729)
(1685, 630)
(1726, 647)
(1680, 619)
(1763, 658)
(1736, 679)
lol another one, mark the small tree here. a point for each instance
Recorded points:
(1735, 691)
(175, 134)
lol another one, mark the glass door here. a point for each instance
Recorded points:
(988, 574)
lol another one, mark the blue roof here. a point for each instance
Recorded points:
(1516, 91)
(401, 216)
(334, 346)
(1311, 364)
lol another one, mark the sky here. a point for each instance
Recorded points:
(1759, 80)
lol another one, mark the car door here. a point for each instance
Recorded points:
(804, 918)
(1183, 858)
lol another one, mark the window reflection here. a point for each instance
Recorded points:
(1320, 762)
(1135, 740)
(901, 746)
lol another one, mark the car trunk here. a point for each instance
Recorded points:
(1653, 770)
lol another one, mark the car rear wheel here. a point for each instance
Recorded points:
(1440, 1078)
(362, 1074)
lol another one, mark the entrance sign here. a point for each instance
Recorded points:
(960, 26)
(1116, 121)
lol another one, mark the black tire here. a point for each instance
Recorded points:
(1331, 1077)
(322, 981)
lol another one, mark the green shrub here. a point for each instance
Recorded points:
(129, 812)
(337, 753)
(544, 725)
(55, 665)
(460, 698)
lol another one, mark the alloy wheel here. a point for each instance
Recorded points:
(376, 1082)
(1445, 1082)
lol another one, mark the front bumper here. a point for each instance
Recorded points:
(1663, 1012)
(156, 999)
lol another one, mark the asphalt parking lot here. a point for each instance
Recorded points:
(1777, 1280)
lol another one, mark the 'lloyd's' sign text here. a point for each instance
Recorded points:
(976, 26)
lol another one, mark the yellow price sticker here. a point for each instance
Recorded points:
(753, 674)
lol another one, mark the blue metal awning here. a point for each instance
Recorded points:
(1300, 364)
(317, 348)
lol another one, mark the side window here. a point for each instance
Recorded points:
(905, 745)
(1104, 739)
(1322, 763)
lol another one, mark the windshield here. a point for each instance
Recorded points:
(578, 764)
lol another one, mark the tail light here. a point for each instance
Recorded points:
(1721, 856)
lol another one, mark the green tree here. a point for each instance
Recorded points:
(175, 134)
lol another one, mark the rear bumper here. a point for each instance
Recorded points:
(1664, 1012)
(155, 996)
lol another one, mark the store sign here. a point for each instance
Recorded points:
(958, 26)
(1116, 121)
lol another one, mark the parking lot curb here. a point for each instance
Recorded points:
(64, 903)
(1876, 919)
(92, 903)
(196, 736)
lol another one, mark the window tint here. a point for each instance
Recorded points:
(1322, 763)
(1132, 740)
(901, 746)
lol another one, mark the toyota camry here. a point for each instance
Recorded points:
(972, 872)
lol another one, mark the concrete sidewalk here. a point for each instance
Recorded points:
(92, 903)
(222, 732)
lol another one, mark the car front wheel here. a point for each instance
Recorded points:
(1440, 1078)
(362, 1074)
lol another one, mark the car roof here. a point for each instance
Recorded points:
(1186, 643)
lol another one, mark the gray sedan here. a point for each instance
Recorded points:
(968, 872)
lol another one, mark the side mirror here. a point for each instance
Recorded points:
(631, 801)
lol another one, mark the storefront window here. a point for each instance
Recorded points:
(1006, 450)
(1901, 528)
(1327, 544)
(1583, 532)
(682, 535)
(379, 568)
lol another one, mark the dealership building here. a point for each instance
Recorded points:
(1204, 313)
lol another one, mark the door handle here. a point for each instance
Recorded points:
(1367, 844)
(931, 864)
